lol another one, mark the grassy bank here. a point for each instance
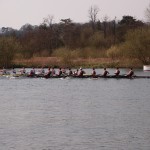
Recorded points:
(77, 62)
(86, 58)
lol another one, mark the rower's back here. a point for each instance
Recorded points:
(70, 72)
(81, 73)
(131, 73)
(117, 72)
(93, 72)
(105, 73)
(60, 72)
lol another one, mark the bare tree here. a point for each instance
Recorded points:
(66, 21)
(48, 21)
(114, 30)
(147, 13)
(93, 12)
(105, 25)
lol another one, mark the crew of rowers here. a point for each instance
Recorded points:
(62, 71)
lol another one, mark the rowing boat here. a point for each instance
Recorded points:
(110, 76)
(78, 77)
(97, 76)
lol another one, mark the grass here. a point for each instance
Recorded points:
(86, 58)
(77, 62)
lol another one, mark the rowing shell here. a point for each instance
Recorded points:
(109, 77)
(80, 77)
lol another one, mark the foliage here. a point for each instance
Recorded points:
(97, 40)
(70, 40)
(127, 23)
(114, 52)
(8, 48)
(137, 45)
(85, 35)
(65, 53)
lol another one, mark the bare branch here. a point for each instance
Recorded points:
(48, 21)
(147, 13)
(93, 12)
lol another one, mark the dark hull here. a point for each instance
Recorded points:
(110, 77)
(82, 77)
(98, 76)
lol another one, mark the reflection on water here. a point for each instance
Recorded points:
(75, 114)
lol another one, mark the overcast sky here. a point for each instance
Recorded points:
(15, 13)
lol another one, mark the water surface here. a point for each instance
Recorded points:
(75, 114)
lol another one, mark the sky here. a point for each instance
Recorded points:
(16, 13)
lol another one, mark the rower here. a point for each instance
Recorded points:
(60, 72)
(75, 73)
(93, 72)
(42, 71)
(117, 72)
(70, 72)
(53, 72)
(48, 74)
(4, 71)
(105, 73)
(13, 71)
(32, 72)
(81, 72)
(63, 70)
(130, 73)
(23, 70)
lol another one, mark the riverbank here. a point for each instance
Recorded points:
(84, 62)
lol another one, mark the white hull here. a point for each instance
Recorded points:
(146, 68)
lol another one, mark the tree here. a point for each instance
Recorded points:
(114, 30)
(26, 28)
(114, 52)
(97, 40)
(137, 45)
(93, 12)
(66, 21)
(127, 20)
(70, 33)
(105, 25)
(48, 21)
(8, 48)
(127, 23)
(147, 13)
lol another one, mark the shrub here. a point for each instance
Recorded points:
(8, 48)
(137, 45)
(114, 52)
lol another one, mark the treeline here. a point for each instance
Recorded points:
(128, 38)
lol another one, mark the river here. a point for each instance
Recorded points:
(75, 114)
